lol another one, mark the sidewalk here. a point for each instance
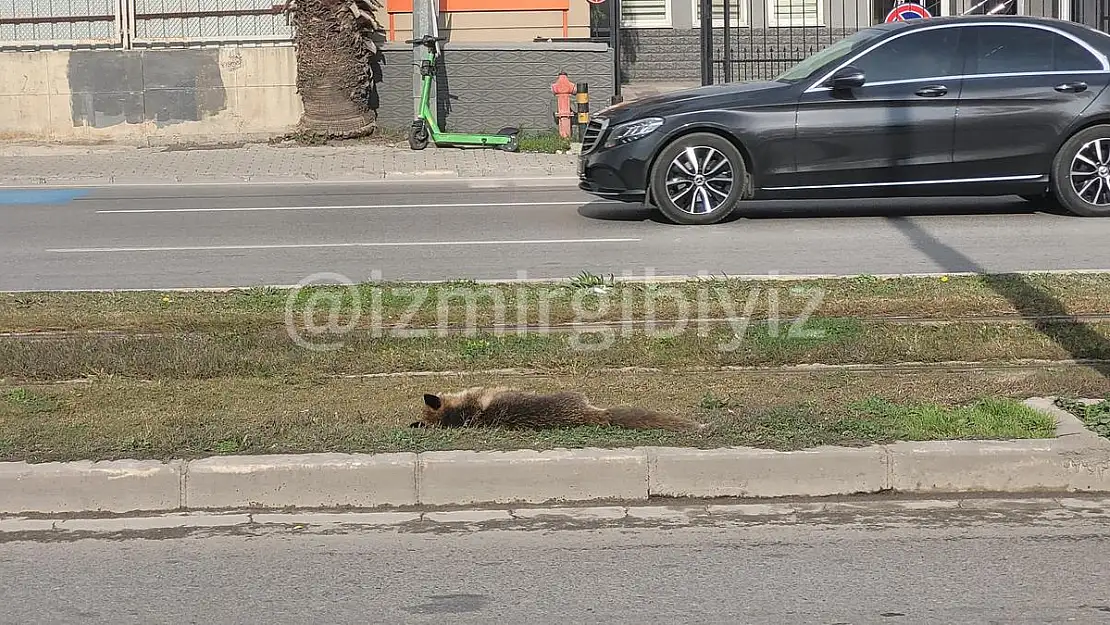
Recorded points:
(66, 165)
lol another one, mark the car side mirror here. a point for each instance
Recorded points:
(847, 78)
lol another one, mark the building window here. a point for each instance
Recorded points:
(645, 13)
(788, 13)
(737, 15)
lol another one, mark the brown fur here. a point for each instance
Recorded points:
(509, 408)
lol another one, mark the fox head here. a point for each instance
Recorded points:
(440, 413)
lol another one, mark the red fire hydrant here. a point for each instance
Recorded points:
(563, 89)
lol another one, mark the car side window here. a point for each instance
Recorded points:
(925, 54)
(1021, 49)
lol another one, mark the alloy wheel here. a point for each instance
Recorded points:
(1090, 172)
(699, 180)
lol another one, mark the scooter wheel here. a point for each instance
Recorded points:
(513, 145)
(418, 137)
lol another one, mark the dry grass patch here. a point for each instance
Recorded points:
(418, 305)
(270, 354)
(112, 418)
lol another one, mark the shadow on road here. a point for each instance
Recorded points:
(607, 211)
(802, 209)
(1077, 338)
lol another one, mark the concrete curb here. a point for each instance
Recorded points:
(874, 512)
(1076, 460)
(387, 179)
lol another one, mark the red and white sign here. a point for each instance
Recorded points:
(907, 11)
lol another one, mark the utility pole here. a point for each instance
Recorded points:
(706, 7)
(615, 44)
(425, 21)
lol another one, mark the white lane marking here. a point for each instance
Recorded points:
(351, 206)
(210, 248)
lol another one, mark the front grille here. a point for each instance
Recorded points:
(592, 136)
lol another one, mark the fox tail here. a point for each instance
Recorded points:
(636, 418)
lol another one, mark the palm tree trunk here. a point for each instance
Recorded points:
(335, 49)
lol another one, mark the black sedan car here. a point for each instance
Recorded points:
(949, 106)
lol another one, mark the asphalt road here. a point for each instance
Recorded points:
(244, 235)
(875, 566)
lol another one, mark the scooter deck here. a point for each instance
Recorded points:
(450, 137)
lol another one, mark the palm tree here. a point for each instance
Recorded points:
(336, 44)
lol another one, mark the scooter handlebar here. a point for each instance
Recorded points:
(427, 40)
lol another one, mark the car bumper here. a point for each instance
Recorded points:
(619, 172)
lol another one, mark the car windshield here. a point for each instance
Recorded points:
(838, 50)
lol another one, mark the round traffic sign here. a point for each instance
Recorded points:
(907, 11)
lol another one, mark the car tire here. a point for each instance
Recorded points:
(1086, 193)
(690, 192)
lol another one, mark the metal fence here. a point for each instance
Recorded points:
(758, 39)
(1094, 13)
(57, 23)
(174, 22)
(38, 24)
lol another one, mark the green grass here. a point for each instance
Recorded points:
(194, 374)
(119, 418)
(273, 354)
(1096, 416)
(547, 142)
(587, 298)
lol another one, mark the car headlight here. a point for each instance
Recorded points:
(631, 131)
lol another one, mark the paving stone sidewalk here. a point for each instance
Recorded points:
(25, 165)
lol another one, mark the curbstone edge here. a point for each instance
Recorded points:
(530, 476)
(751, 472)
(308, 480)
(86, 486)
(998, 466)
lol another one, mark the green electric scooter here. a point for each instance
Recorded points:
(424, 127)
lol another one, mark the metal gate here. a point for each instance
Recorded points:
(1095, 13)
(759, 39)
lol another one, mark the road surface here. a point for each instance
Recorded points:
(873, 565)
(245, 235)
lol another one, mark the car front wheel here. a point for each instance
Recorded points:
(1081, 173)
(698, 179)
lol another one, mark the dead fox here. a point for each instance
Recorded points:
(509, 408)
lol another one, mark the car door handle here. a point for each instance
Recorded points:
(1072, 87)
(934, 91)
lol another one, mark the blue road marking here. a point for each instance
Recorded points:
(9, 197)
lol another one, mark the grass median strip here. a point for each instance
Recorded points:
(119, 418)
(272, 353)
(197, 374)
(584, 299)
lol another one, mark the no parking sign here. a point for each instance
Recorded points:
(907, 11)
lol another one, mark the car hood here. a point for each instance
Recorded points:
(734, 94)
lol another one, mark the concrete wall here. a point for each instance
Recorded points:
(236, 93)
(487, 86)
(148, 96)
